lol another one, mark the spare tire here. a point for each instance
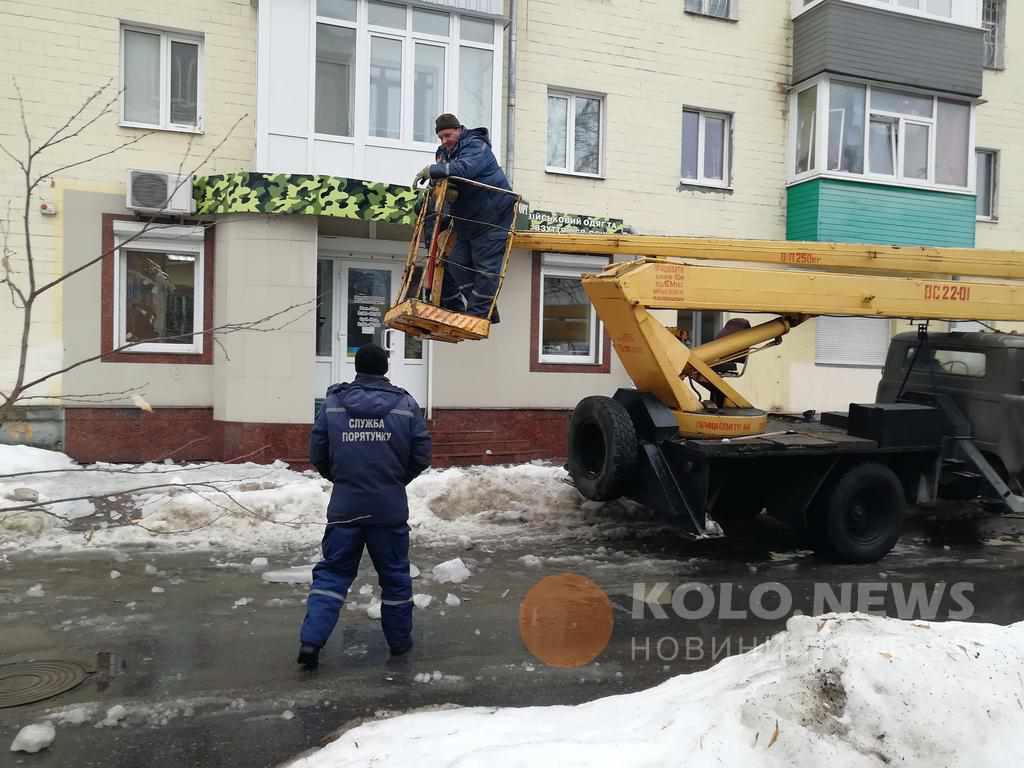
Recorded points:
(602, 448)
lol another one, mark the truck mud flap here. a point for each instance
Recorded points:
(660, 490)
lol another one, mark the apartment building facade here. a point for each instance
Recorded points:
(857, 120)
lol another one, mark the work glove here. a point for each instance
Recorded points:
(421, 177)
(438, 171)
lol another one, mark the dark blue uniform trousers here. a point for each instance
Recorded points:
(342, 549)
(473, 269)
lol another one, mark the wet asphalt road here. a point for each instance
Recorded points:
(207, 682)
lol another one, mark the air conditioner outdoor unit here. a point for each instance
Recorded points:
(159, 192)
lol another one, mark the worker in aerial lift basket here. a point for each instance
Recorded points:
(482, 218)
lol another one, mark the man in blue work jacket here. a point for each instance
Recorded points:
(369, 439)
(482, 217)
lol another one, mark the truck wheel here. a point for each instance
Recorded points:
(602, 448)
(863, 515)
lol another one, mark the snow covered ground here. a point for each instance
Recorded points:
(252, 506)
(840, 690)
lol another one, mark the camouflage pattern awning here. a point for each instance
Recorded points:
(313, 195)
(342, 198)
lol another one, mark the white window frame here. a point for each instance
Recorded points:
(993, 216)
(566, 265)
(702, 180)
(999, 32)
(570, 132)
(452, 45)
(733, 15)
(161, 239)
(819, 167)
(166, 38)
(966, 13)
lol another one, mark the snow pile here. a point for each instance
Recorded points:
(33, 738)
(451, 572)
(840, 690)
(255, 507)
(524, 493)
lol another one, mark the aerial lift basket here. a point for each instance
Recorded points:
(418, 310)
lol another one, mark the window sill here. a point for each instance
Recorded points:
(168, 129)
(994, 67)
(558, 172)
(987, 219)
(700, 186)
(730, 19)
(545, 367)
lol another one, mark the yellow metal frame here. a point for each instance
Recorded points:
(417, 311)
(795, 280)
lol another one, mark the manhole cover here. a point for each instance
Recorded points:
(31, 681)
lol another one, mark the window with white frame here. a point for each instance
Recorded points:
(941, 8)
(963, 12)
(993, 21)
(158, 288)
(988, 183)
(575, 133)
(861, 342)
(570, 331)
(880, 133)
(722, 9)
(161, 77)
(419, 62)
(707, 139)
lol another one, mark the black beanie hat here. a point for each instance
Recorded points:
(447, 120)
(372, 359)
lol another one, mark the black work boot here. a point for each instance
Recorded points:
(309, 657)
(401, 650)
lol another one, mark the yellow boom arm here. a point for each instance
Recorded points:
(804, 280)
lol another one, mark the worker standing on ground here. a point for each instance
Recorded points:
(370, 439)
(482, 217)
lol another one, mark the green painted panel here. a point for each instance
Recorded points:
(802, 213)
(851, 212)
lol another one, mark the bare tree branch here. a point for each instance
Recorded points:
(222, 330)
(91, 159)
(24, 120)
(54, 141)
(135, 468)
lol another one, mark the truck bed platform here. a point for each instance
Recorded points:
(790, 435)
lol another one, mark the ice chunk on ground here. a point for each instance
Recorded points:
(414, 572)
(422, 601)
(24, 494)
(75, 715)
(452, 600)
(259, 562)
(287, 715)
(34, 738)
(373, 609)
(451, 572)
(243, 601)
(36, 591)
(366, 589)
(531, 561)
(845, 691)
(465, 542)
(115, 716)
(158, 590)
(437, 674)
(300, 574)
(115, 574)
(151, 570)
